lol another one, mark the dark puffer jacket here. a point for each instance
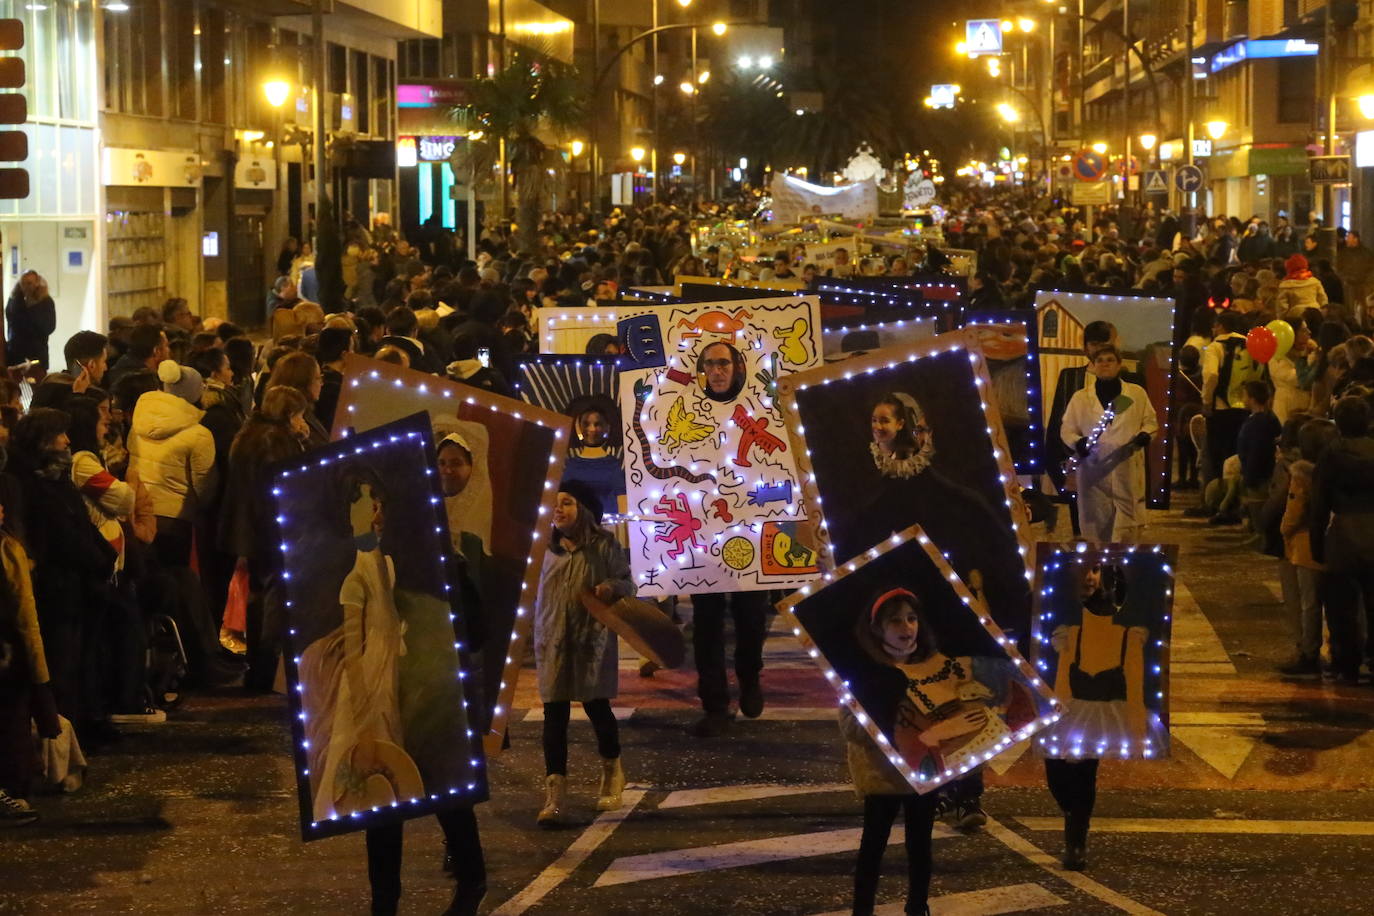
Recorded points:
(1343, 505)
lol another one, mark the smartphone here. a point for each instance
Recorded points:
(484, 357)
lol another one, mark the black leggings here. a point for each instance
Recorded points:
(879, 813)
(1073, 783)
(384, 847)
(556, 717)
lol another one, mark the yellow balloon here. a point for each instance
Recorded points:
(1283, 334)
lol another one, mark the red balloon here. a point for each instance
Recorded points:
(1261, 343)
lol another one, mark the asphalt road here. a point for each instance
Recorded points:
(1264, 806)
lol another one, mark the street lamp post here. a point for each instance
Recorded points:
(604, 70)
(1011, 115)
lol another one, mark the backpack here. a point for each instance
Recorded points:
(1237, 368)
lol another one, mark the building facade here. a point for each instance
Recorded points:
(160, 167)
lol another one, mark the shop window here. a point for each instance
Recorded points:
(136, 260)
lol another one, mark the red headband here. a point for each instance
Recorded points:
(887, 596)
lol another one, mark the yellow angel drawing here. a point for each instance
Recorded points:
(681, 427)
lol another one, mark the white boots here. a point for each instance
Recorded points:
(612, 785)
(555, 793)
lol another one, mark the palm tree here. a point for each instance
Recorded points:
(530, 104)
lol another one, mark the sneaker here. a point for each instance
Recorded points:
(1301, 666)
(150, 715)
(15, 812)
(711, 725)
(751, 698)
(968, 815)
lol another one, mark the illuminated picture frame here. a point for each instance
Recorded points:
(1124, 716)
(955, 352)
(710, 479)
(411, 729)
(567, 331)
(1140, 323)
(824, 618)
(1027, 443)
(532, 460)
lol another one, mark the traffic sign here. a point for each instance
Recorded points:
(1329, 169)
(983, 36)
(1091, 193)
(1188, 178)
(1156, 181)
(1089, 166)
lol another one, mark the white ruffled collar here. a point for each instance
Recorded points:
(892, 466)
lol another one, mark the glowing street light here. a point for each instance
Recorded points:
(1025, 24)
(1008, 112)
(1366, 103)
(719, 28)
(277, 92)
(745, 62)
(679, 158)
(765, 62)
(1216, 129)
(1148, 141)
(637, 154)
(703, 76)
(684, 3)
(687, 87)
(1099, 147)
(576, 147)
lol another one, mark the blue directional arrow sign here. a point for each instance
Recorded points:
(1188, 178)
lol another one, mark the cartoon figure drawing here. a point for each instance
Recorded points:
(714, 323)
(792, 346)
(752, 434)
(720, 508)
(680, 529)
(682, 428)
(642, 391)
(774, 493)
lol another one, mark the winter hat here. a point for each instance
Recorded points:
(182, 381)
(584, 494)
(1295, 265)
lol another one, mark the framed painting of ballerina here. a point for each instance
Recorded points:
(1101, 639)
(917, 661)
(383, 726)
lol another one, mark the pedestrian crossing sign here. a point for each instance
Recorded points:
(1156, 181)
(983, 36)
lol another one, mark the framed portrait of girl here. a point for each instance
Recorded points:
(938, 685)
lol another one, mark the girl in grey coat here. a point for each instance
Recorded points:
(576, 657)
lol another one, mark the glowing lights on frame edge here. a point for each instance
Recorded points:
(1157, 498)
(881, 360)
(335, 824)
(1035, 434)
(1041, 620)
(529, 586)
(918, 781)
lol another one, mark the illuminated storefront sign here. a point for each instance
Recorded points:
(1258, 48)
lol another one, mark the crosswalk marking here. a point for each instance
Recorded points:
(684, 798)
(1209, 825)
(572, 857)
(678, 862)
(621, 713)
(1037, 856)
(1010, 898)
